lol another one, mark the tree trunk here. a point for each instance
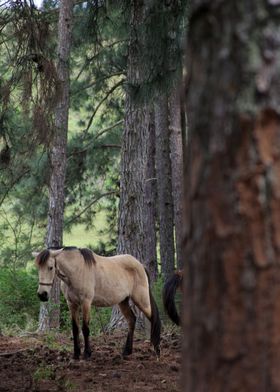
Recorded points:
(150, 258)
(133, 235)
(164, 186)
(49, 315)
(176, 154)
(232, 293)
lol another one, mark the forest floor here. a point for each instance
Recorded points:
(45, 365)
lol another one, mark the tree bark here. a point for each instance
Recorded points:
(150, 197)
(176, 156)
(232, 293)
(164, 186)
(133, 235)
(49, 314)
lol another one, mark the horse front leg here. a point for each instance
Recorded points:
(85, 328)
(74, 309)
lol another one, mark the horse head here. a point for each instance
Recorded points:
(46, 263)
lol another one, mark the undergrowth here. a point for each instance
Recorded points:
(19, 305)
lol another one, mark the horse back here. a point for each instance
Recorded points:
(116, 278)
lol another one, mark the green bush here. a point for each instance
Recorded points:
(157, 293)
(19, 305)
(100, 317)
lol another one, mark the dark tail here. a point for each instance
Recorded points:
(169, 290)
(155, 321)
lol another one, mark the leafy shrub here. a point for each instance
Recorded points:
(19, 305)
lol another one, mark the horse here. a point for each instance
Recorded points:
(89, 279)
(173, 283)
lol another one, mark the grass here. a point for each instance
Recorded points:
(44, 372)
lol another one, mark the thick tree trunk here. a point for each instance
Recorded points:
(134, 211)
(232, 293)
(49, 314)
(164, 186)
(176, 154)
(131, 231)
(150, 197)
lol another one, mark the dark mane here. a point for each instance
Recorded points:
(42, 257)
(87, 255)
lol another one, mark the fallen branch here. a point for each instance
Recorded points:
(7, 354)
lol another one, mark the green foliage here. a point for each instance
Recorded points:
(97, 65)
(99, 318)
(27, 96)
(157, 293)
(19, 305)
(44, 372)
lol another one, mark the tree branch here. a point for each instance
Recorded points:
(67, 223)
(97, 81)
(89, 60)
(100, 133)
(101, 102)
(13, 184)
(108, 146)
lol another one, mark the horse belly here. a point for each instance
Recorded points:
(109, 297)
(113, 284)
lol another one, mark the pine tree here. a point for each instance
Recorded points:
(232, 249)
(58, 156)
(133, 214)
(164, 186)
(176, 157)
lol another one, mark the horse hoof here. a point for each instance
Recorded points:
(157, 351)
(87, 355)
(126, 353)
(76, 356)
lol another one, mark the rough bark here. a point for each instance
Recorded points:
(150, 259)
(164, 186)
(133, 235)
(49, 314)
(232, 293)
(176, 156)
(131, 230)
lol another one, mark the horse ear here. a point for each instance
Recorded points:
(35, 254)
(55, 252)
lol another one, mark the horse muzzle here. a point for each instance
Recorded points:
(44, 296)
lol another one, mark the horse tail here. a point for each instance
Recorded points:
(155, 320)
(169, 290)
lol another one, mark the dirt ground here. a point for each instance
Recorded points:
(33, 364)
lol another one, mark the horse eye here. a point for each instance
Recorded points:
(50, 268)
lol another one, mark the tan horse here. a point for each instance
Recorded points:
(89, 279)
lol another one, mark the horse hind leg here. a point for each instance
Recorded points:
(85, 328)
(155, 325)
(146, 303)
(131, 320)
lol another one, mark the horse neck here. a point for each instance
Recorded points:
(67, 267)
